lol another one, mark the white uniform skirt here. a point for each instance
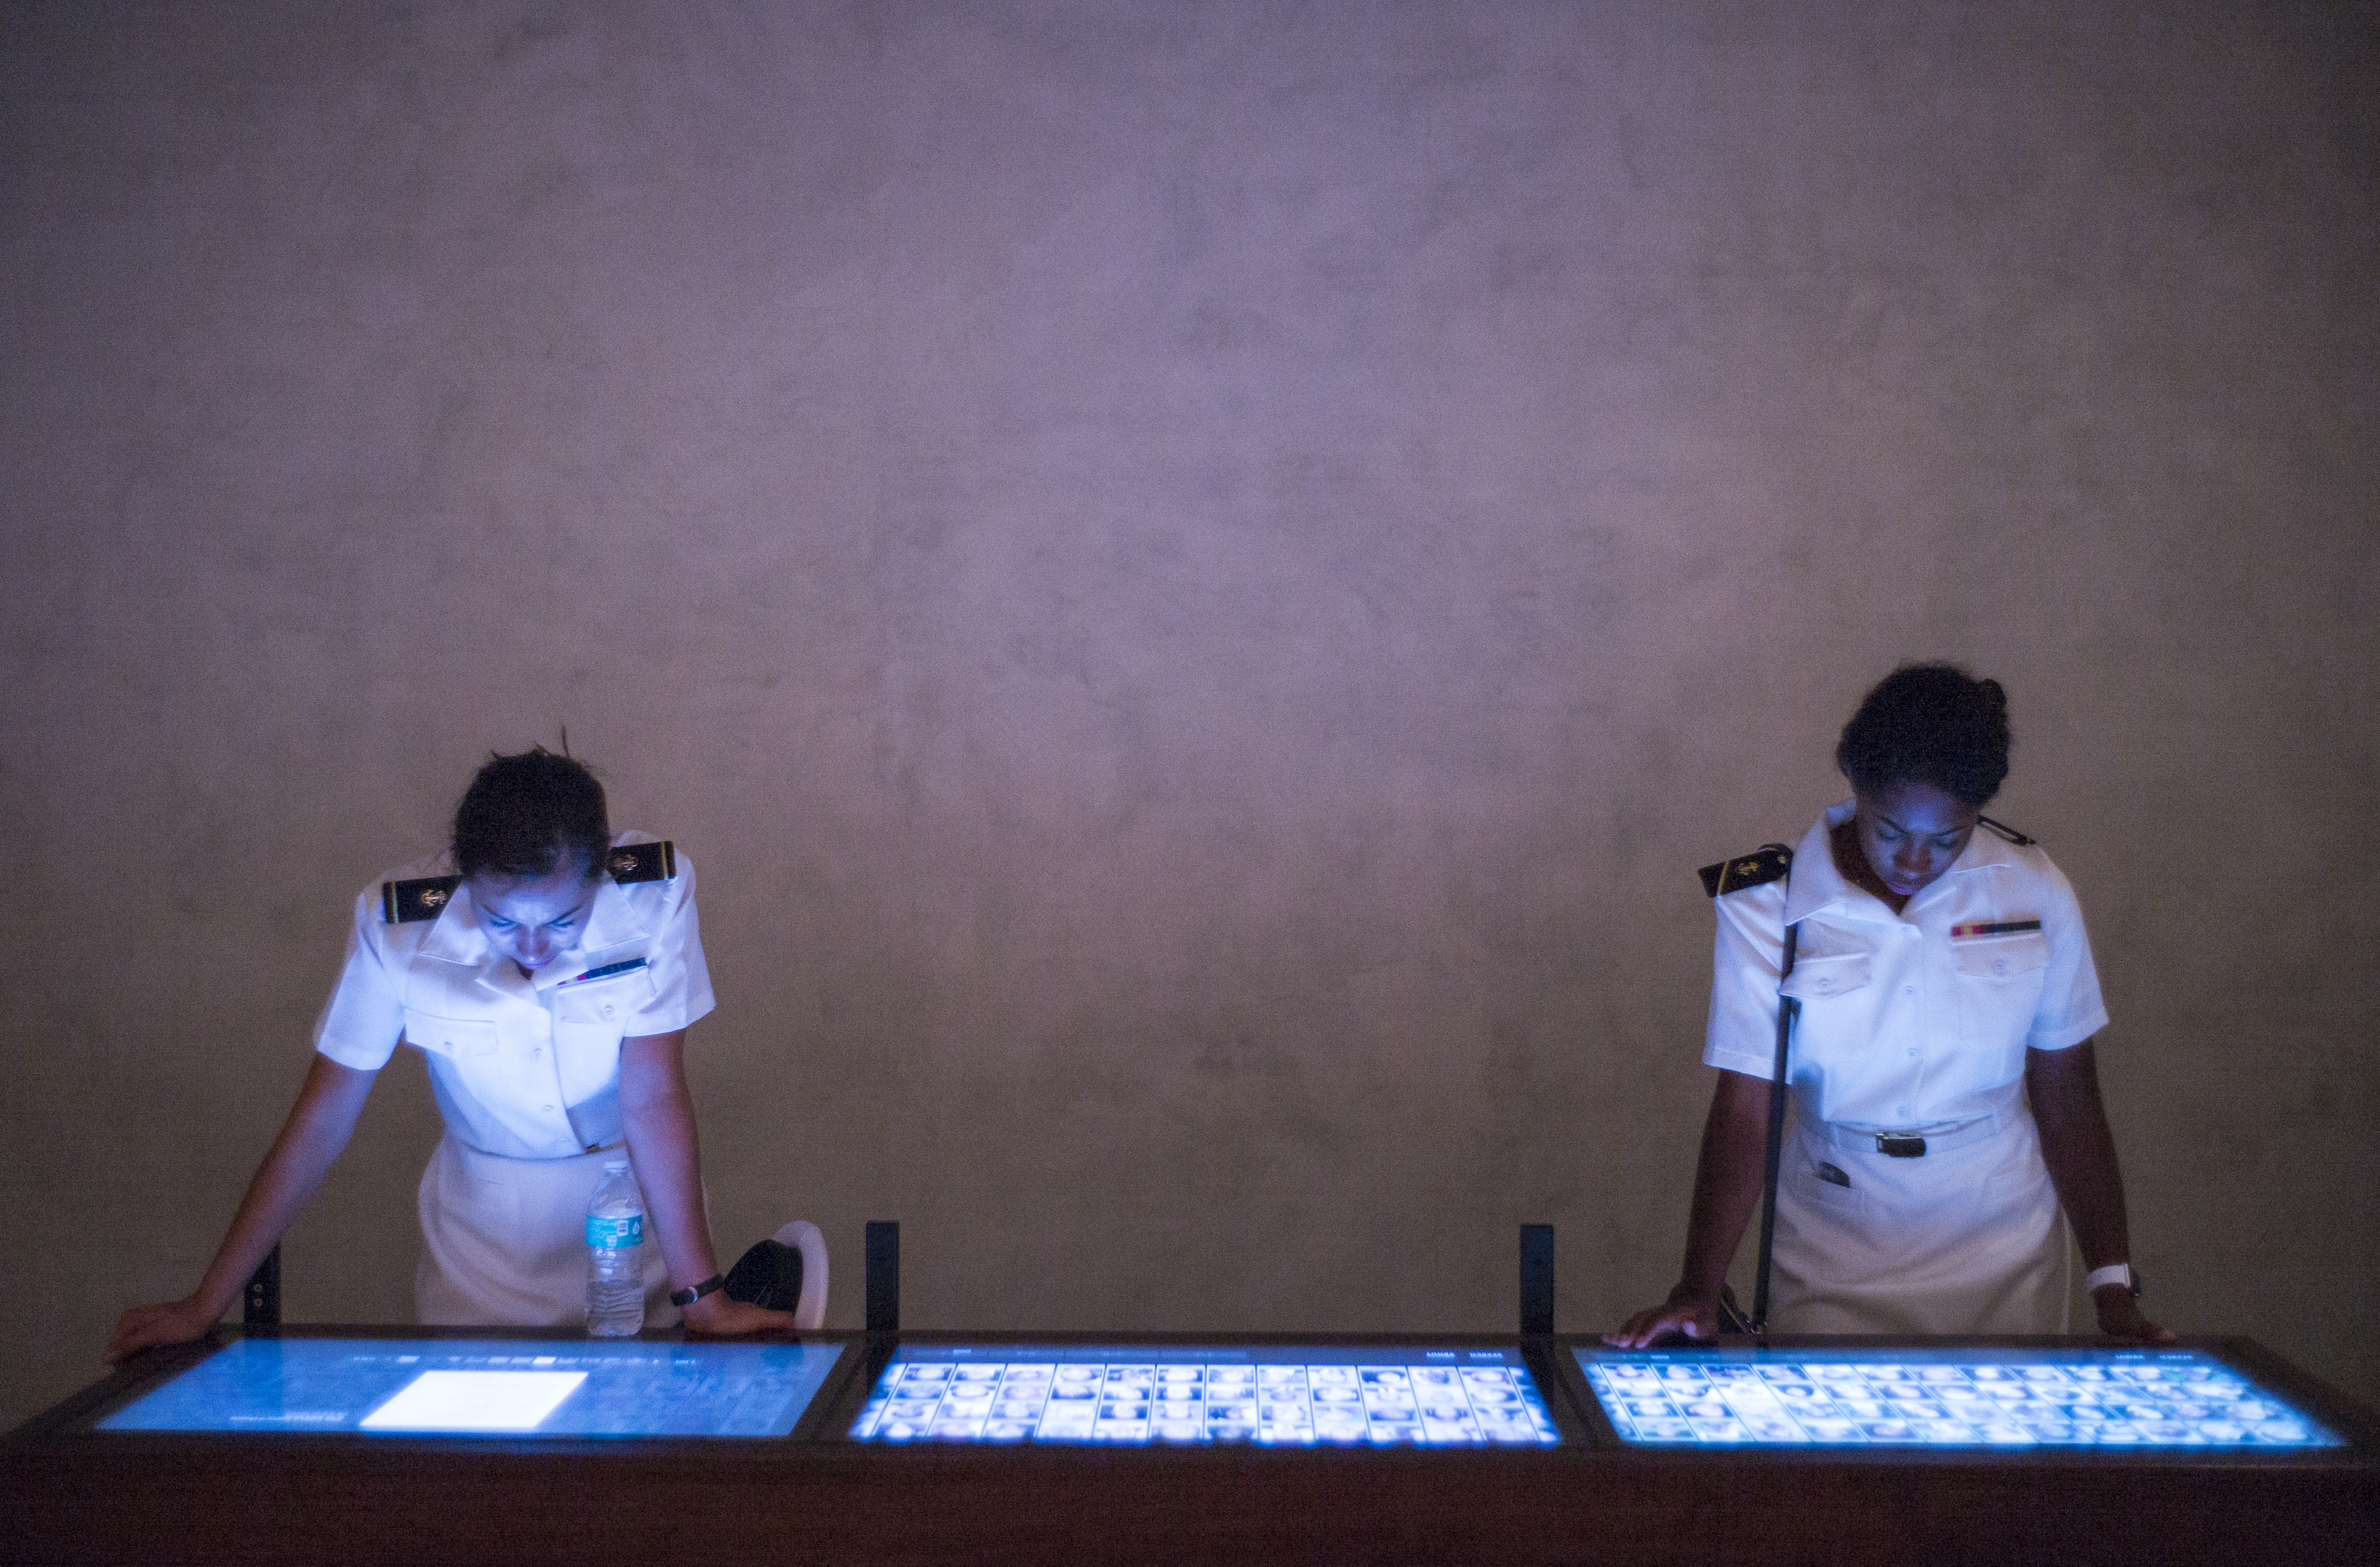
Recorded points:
(503, 1242)
(1969, 1239)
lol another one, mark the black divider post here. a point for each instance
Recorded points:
(884, 1276)
(260, 1304)
(1536, 1280)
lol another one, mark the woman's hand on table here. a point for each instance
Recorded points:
(719, 1316)
(1684, 1313)
(2121, 1318)
(145, 1327)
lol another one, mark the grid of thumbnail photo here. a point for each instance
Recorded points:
(2175, 1400)
(1478, 1401)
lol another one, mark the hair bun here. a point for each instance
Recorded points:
(1930, 723)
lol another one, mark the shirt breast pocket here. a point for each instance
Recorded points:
(1838, 1000)
(2000, 986)
(1823, 979)
(603, 1005)
(455, 1038)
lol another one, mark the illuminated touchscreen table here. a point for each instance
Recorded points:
(1913, 1397)
(1163, 1450)
(1377, 1395)
(487, 1386)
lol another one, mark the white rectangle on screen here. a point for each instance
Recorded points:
(474, 1400)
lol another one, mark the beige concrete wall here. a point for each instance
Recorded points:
(1197, 579)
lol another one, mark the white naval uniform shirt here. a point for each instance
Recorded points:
(522, 1067)
(1905, 1025)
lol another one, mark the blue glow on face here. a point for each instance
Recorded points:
(2105, 1398)
(487, 1386)
(1178, 1394)
(534, 921)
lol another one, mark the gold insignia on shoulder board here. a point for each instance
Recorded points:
(403, 902)
(655, 861)
(1769, 862)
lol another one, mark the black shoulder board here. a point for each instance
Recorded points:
(1765, 864)
(643, 862)
(2005, 831)
(402, 902)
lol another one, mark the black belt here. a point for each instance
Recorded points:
(1913, 1144)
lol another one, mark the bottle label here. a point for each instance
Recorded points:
(611, 1235)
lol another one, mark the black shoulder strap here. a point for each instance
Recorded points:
(1765, 864)
(402, 902)
(1787, 1009)
(2004, 829)
(643, 862)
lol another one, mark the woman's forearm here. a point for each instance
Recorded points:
(319, 1127)
(1728, 1177)
(657, 1115)
(2079, 1150)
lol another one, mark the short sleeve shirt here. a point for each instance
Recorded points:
(525, 1067)
(1911, 1020)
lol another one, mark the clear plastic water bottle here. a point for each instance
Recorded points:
(615, 1256)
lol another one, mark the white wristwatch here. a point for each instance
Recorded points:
(2114, 1274)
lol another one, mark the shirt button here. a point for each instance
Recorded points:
(1901, 1110)
(1999, 966)
(1909, 990)
(549, 1110)
(609, 1009)
(1912, 1053)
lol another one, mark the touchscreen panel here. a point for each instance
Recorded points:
(2084, 1397)
(487, 1386)
(1377, 1395)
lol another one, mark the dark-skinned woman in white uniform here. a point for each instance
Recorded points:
(1949, 1148)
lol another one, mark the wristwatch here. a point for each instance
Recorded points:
(686, 1297)
(2114, 1274)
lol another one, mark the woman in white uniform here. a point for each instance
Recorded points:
(549, 980)
(1946, 1124)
